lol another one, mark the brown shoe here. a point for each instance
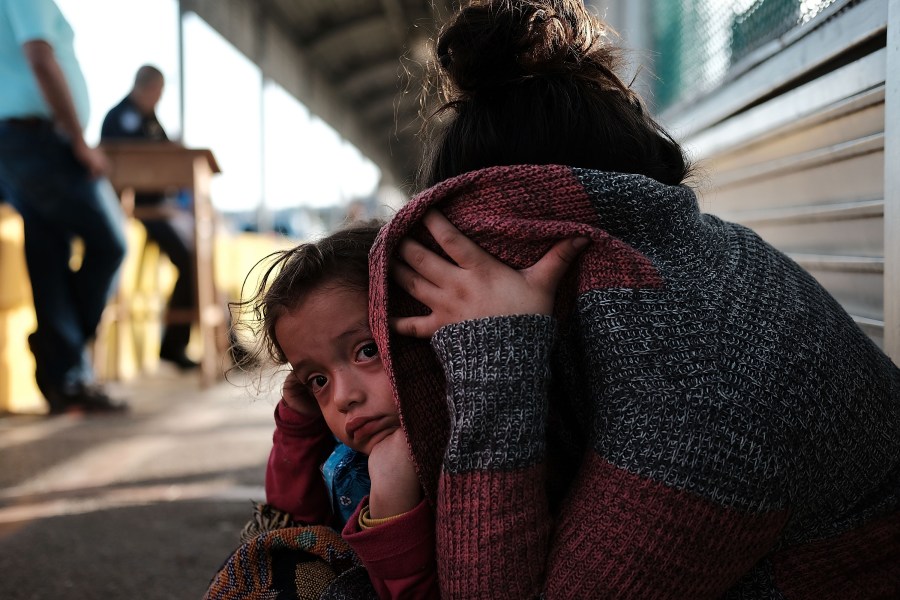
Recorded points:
(86, 398)
(180, 360)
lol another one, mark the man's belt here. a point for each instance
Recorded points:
(27, 122)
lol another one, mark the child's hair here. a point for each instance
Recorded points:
(535, 82)
(341, 258)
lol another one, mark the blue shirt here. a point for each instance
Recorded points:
(29, 20)
(346, 475)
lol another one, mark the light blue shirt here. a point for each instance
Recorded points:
(29, 20)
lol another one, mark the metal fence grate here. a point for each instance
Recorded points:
(698, 41)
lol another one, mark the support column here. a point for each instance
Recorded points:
(892, 186)
(181, 119)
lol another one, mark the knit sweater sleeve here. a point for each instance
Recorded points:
(398, 554)
(493, 522)
(294, 482)
(617, 534)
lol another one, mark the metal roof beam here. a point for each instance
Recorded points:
(264, 40)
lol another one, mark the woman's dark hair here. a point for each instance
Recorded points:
(340, 259)
(535, 82)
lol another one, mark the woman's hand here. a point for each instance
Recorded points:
(296, 395)
(480, 286)
(395, 487)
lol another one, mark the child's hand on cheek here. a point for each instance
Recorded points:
(395, 487)
(297, 396)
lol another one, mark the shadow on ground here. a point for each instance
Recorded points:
(163, 551)
(146, 505)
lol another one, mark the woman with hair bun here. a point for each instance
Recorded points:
(527, 82)
(686, 414)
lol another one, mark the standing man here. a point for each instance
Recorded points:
(134, 118)
(52, 178)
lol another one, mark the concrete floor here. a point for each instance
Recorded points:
(145, 505)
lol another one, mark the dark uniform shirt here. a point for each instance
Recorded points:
(125, 122)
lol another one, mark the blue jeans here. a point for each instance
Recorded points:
(58, 202)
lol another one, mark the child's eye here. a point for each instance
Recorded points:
(367, 352)
(316, 383)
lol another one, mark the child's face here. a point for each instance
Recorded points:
(330, 348)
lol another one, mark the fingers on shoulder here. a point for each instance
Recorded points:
(412, 327)
(569, 249)
(457, 246)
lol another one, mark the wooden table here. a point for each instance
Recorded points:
(166, 166)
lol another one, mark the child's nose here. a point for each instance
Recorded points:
(348, 391)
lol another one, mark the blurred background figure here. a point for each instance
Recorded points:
(171, 227)
(135, 116)
(52, 178)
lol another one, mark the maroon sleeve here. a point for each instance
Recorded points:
(294, 482)
(399, 554)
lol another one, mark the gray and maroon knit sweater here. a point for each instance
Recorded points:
(699, 419)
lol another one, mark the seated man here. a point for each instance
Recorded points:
(134, 118)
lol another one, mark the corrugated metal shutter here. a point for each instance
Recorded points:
(794, 147)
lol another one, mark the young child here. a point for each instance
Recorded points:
(337, 415)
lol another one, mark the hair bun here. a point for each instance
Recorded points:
(493, 43)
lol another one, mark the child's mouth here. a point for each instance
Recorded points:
(362, 427)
